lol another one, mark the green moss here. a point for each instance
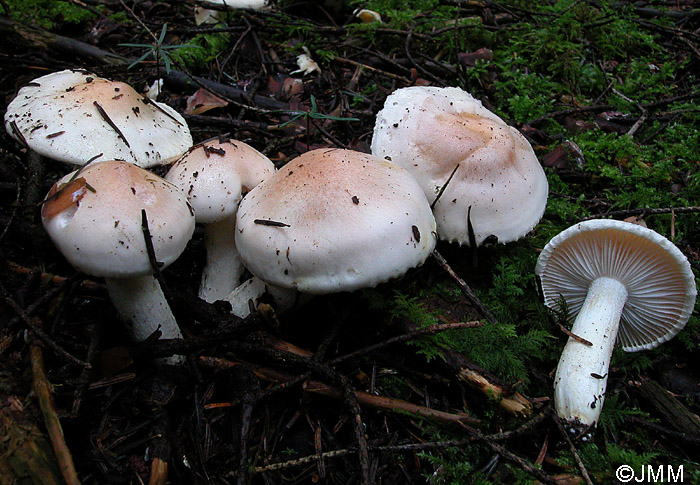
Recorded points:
(208, 47)
(47, 13)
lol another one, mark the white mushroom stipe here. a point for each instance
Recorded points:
(620, 282)
(582, 373)
(215, 175)
(254, 289)
(141, 303)
(223, 269)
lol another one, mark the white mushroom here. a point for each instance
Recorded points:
(256, 5)
(367, 16)
(74, 116)
(334, 220)
(205, 16)
(484, 171)
(215, 175)
(94, 217)
(621, 282)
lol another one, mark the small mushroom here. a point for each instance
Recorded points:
(215, 175)
(621, 282)
(334, 220)
(255, 5)
(475, 169)
(95, 218)
(74, 116)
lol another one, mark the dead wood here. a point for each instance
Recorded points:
(466, 371)
(42, 390)
(21, 37)
(383, 403)
(672, 410)
(26, 455)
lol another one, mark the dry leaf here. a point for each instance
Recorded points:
(202, 101)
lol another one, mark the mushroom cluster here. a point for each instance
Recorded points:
(333, 220)
(96, 215)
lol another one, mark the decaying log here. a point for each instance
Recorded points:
(673, 411)
(25, 451)
(20, 36)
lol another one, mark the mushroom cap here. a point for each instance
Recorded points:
(660, 284)
(216, 174)
(57, 117)
(94, 217)
(334, 220)
(430, 130)
(260, 5)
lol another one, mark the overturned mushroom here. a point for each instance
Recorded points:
(621, 282)
(480, 174)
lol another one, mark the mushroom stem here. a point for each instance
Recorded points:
(582, 373)
(253, 289)
(141, 303)
(224, 268)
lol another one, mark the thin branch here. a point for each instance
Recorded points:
(577, 458)
(111, 123)
(42, 390)
(575, 337)
(371, 349)
(431, 330)
(35, 326)
(442, 189)
(645, 212)
(412, 447)
(510, 456)
(464, 288)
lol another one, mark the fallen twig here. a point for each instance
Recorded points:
(35, 326)
(464, 288)
(573, 336)
(53, 278)
(378, 402)
(282, 346)
(430, 445)
(501, 450)
(42, 390)
(577, 458)
(645, 212)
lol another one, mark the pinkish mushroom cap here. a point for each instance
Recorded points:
(444, 134)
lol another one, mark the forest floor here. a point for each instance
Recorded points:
(386, 385)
